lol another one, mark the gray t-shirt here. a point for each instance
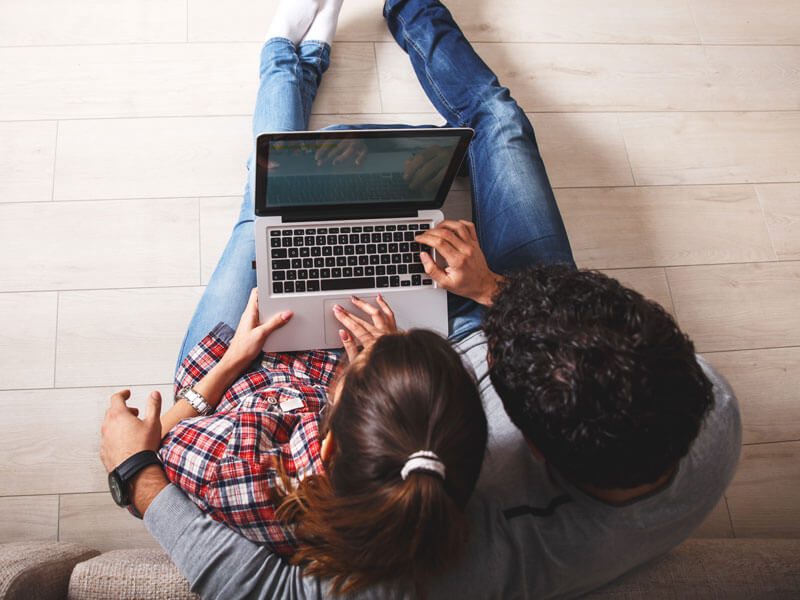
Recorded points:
(532, 535)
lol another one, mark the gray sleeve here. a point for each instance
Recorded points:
(218, 562)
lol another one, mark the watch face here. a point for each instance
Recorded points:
(118, 489)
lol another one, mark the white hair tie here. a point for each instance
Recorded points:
(424, 460)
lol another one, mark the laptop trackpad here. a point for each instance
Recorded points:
(332, 326)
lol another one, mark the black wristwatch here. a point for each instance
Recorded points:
(119, 480)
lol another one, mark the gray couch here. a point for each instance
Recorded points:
(700, 568)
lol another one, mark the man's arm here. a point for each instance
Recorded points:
(246, 344)
(467, 274)
(218, 562)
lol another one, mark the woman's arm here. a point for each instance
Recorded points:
(246, 344)
(212, 387)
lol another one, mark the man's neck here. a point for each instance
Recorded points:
(619, 497)
(616, 497)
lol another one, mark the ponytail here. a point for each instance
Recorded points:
(385, 510)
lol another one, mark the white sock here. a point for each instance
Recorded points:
(292, 19)
(323, 29)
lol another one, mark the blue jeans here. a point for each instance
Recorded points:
(289, 79)
(514, 209)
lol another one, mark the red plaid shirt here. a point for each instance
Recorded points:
(226, 461)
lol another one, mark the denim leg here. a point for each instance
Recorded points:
(515, 211)
(517, 217)
(289, 79)
(315, 57)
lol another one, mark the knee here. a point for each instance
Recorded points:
(279, 56)
(498, 113)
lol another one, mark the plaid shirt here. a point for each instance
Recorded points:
(227, 461)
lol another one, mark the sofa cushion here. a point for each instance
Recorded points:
(38, 570)
(710, 568)
(129, 575)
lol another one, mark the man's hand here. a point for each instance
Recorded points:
(123, 434)
(359, 332)
(425, 170)
(467, 273)
(250, 336)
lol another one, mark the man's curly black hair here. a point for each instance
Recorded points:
(598, 378)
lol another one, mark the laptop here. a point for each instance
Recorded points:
(336, 217)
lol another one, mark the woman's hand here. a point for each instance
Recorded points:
(360, 332)
(250, 335)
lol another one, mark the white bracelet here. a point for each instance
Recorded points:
(196, 401)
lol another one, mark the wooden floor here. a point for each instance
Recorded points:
(670, 128)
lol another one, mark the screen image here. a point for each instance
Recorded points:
(349, 170)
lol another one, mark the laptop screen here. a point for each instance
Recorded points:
(346, 169)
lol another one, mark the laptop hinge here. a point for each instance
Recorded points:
(349, 215)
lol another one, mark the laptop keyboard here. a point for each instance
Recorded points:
(327, 259)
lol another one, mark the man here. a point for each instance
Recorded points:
(609, 441)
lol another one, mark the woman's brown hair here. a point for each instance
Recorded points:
(361, 523)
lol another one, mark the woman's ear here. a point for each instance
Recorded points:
(328, 447)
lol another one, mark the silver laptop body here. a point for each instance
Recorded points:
(328, 229)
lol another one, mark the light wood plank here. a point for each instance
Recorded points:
(635, 78)
(127, 80)
(766, 383)
(746, 22)
(650, 283)
(162, 158)
(619, 21)
(586, 77)
(704, 148)
(51, 438)
(400, 89)
(764, 498)
(52, 443)
(72, 245)
(351, 85)
(622, 21)
(143, 80)
(732, 307)
(217, 218)
(582, 150)
(27, 154)
(643, 227)
(717, 524)
(28, 518)
(781, 204)
(95, 521)
(121, 337)
(50, 22)
(28, 342)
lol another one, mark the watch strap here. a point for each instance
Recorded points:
(136, 463)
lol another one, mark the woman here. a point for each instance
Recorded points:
(365, 487)
(375, 492)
